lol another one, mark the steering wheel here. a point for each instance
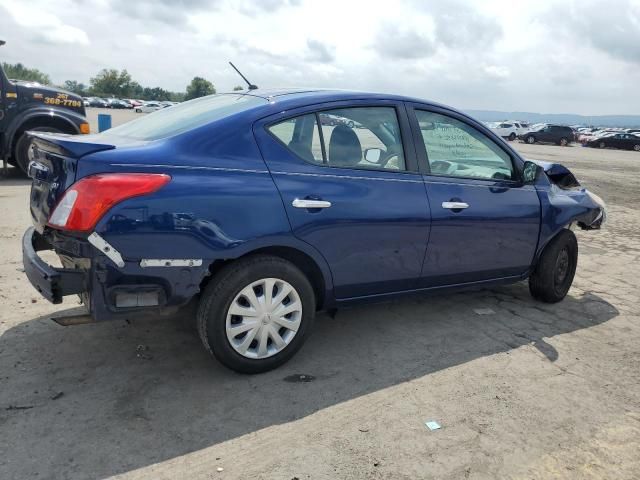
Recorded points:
(386, 157)
(443, 167)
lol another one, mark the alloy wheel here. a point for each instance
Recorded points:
(263, 318)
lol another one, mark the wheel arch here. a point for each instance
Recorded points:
(544, 243)
(33, 120)
(315, 270)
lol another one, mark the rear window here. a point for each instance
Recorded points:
(171, 121)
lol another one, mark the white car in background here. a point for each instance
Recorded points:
(149, 107)
(510, 130)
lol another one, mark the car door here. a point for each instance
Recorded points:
(351, 189)
(484, 221)
(625, 141)
(2, 113)
(546, 134)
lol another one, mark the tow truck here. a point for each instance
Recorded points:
(30, 106)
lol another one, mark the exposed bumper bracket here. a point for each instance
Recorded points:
(106, 248)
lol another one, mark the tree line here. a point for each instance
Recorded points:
(111, 82)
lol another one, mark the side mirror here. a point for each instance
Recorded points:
(530, 172)
(373, 155)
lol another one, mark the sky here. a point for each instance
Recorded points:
(542, 56)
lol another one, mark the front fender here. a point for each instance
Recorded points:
(563, 207)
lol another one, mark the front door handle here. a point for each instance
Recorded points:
(307, 203)
(455, 205)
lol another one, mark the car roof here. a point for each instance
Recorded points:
(280, 99)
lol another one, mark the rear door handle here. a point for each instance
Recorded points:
(306, 203)
(455, 205)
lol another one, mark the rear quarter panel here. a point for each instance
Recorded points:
(221, 202)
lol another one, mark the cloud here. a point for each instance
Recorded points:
(402, 44)
(472, 54)
(460, 26)
(170, 12)
(319, 52)
(178, 12)
(44, 26)
(145, 39)
(254, 8)
(497, 72)
(614, 30)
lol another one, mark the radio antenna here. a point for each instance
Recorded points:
(251, 85)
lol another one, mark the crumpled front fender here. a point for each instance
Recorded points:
(565, 203)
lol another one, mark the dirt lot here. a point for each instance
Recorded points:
(528, 391)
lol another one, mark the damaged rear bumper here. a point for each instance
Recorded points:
(110, 286)
(52, 283)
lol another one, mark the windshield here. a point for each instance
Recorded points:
(186, 116)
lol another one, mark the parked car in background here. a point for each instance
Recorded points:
(134, 103)
(558, 134)
(149, 107)
(117, 103)
(509, 130)
(252, 207)
(625, 141)
(85, 101)
(98, 102)
(584, 138)
(330, 120)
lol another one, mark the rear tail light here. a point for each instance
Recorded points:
(89, 199)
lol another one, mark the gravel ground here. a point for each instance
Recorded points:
(528, 390)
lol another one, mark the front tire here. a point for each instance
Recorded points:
(531, 139)
(563, 142)
(23, 153)
(552, 278)
(240, 317)
(636, 147)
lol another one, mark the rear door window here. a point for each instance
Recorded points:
(357, 137)
(302, 136)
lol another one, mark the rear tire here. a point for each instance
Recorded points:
(225, 294)
(512, 137)
(552, 278)
(637, 147)
(23, 147)
(602, 145)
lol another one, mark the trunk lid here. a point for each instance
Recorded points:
(53, 167)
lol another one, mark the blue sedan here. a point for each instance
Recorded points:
(263, 212)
